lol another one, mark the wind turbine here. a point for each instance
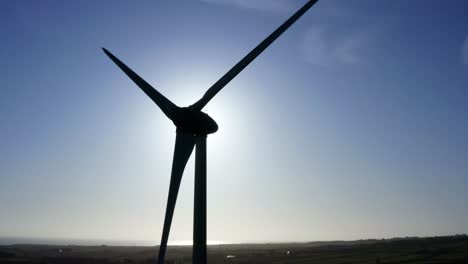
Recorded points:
(193, 126)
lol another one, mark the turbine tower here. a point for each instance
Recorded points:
(193, 126)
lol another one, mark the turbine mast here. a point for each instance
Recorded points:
(199, 212)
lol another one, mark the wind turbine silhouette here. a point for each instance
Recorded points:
(193, 126)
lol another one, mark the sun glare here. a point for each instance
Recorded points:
(189, 242)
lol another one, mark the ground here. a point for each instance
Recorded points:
(449, 249)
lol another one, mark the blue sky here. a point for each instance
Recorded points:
(351, 125)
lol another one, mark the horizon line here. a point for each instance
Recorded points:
(17, 240)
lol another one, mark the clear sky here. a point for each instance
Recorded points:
(353, 124)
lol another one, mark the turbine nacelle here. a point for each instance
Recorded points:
(190, 121)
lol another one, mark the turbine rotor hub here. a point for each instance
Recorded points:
(195, 122)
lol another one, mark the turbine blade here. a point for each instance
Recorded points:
(216, 87)
(164, 104)
(183, 149)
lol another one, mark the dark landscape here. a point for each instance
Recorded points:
(448, 249)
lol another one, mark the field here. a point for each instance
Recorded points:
(450, 249)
